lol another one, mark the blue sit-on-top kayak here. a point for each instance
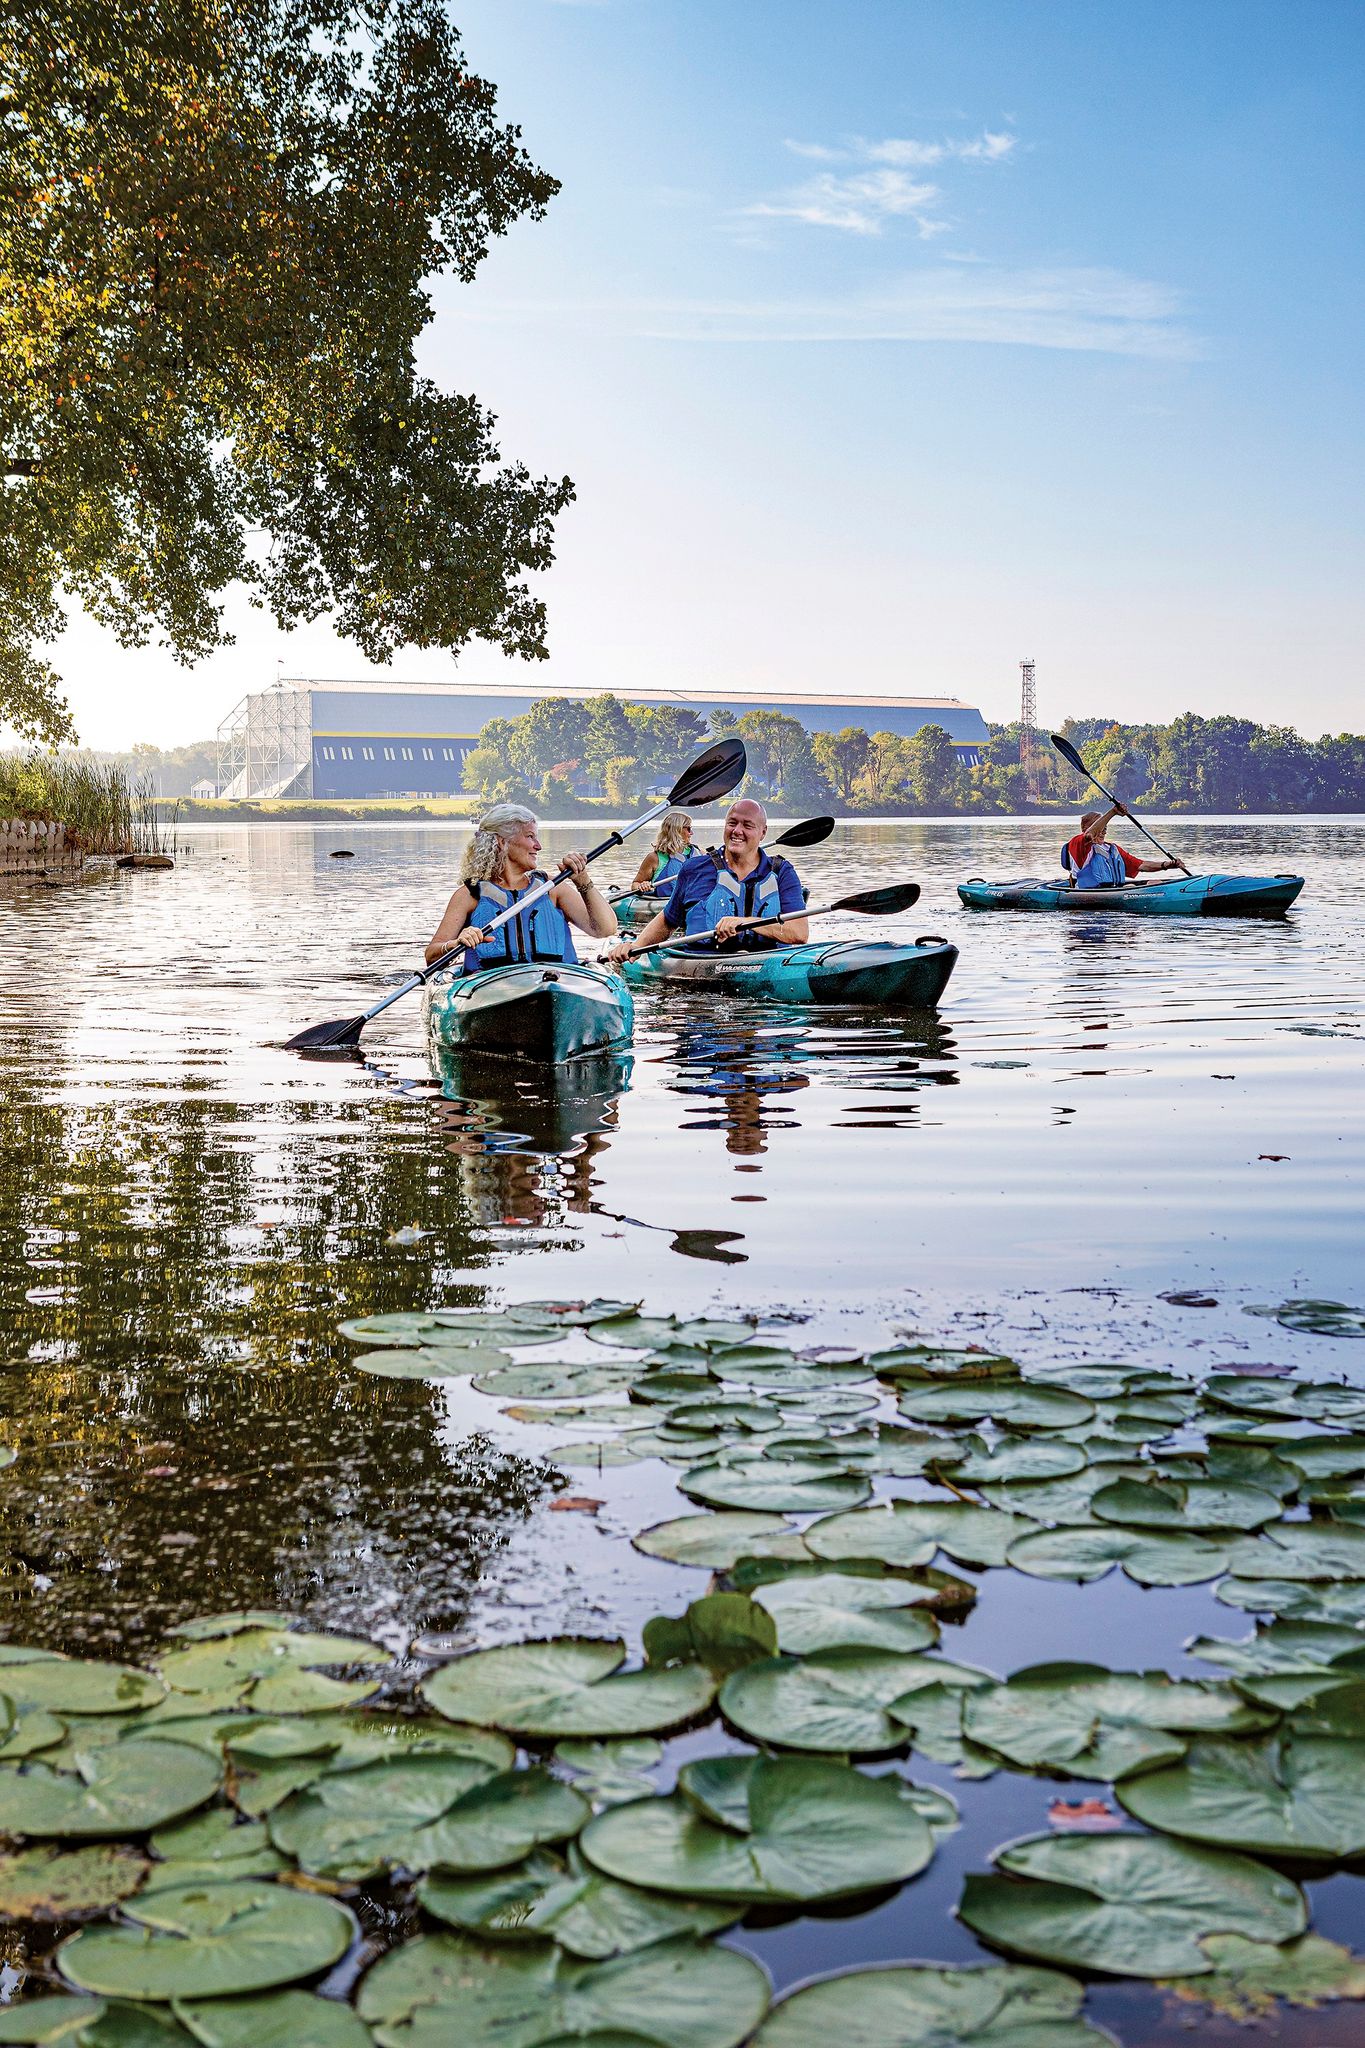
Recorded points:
(1191, 896)
(882, 971)
(547, 1012)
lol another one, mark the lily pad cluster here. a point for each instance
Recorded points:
(201, 1831)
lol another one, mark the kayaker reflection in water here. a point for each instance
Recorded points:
(500, 864)
(727, 889)
(1094, 864)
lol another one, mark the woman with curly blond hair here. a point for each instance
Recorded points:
(670, 849)
(499, 866)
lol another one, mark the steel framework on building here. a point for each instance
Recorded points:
(265, 745)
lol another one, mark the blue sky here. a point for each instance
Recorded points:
(892, 340)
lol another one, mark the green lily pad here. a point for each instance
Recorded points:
(837, 1701)
(271, 1759)
(1009, 1404)
(1251, 1978)
(1019, 1457)
(715, 1541)
(788, 1375)
(598, 1455)
(609, 1772)
(1239, 1464)
(567, 1686)
(764, 1829)
(448, 1987)
(1296, 1598)
(999, 2005)
(1317, 1318)
(1169, 1559)
(1093, 1723)
(1284, 1795)
(28, 1731)
(121, 1789)
(574, 1315)
(1056, 1500)
(697, 1386)
(939, 1361)
(1286, 1647)
(423, 1813)
(57, 1884)
(91, 2023)
(907, 1533)
(77, 1685)
(1302, 1550)
(272, 1670)
(1188, 1504)
(237, 1621)
(274, 2019)
(427, 1362)
(763, 1483)
(1328, 1457)
(723, 1631)
(638, 1333)
(1131, 1905)
(589, 1915)
(841, 1611)
(210, 1846)
(402, 1327)
(205, 1941)
(541, 1382)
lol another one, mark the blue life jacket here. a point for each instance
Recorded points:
(540, 933)
(729, 897)
(1102, 869)
(666, 867)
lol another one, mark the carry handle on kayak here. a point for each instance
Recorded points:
(808, 833)
(1068, 753)
(869, 903)
(714, 773)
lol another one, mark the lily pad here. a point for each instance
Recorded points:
(1131, 1905)
(274, 2019)
(1302, 1550)
(763, 1483)
(1285, 1648)
(764, 1830)
(29, 1730)
(1282, 1796)
(841, 1611)
(1317, 1318)
(589, 1915)
(423, 1813)
(77, 1685)
(120, 1789)
(1000, 2005)
(57, 1884)
(402, 1327)
(939, 1361)
(540, 1382)
(907, 1533)
(715, 1541)
(205, 1941)
(1328, 1457)
(1056, 1500)
(426, 1362)
(1296, 1598)
(271, 1759)
(1251, 1978)
(211, 1846)
(1082, 1553)
(1019, 1457)
(449, 1987)
(574, 1315)
(723, 1631)
(1093, 1723)
(272, 1670)
(610, 1772)
(569, 1685)
(1010, 1404)
(837, 1701)
(91, 2023)
(1188, 1504)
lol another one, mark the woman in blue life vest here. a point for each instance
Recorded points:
(666, 857)
(727, 890)
(1093, 863)
(501, 864)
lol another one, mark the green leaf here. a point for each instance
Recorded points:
(275, 2019)
(448, 1362)
(540, 1382)
(273, 1670)
(608, 1772)
(1088, 1553)
(1093, 1723)
(1286, 1795)
(423, 1813)
(764, 1483)
(1302, 1550)
(1317, 1318)
(274, 1758)
(212, 1845)
(841, 1611)
(76, 1685)
(1283, 1647)
(908, 1533)
(122, 1789)
(637, 1333)
(205, 1941)
(939, 1361)
(30, 1730)
(448, 1987)
(997, 2006)
(566, 1686)
(764, 1829)
(717, 1540)
(1131, 1905)
(1250, 1978)
(57, 1884)
(574, 1315)
(723, 1631)
(1296, 1599)
(91, 2023)
(1009, 1404)
(1056, 1500)
(589, 1915)
(1192, 1504)
(834, 1700)
(1327, 1457)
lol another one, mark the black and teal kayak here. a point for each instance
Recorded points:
(891, 974)
(639, 906)
(1191, 896)
(546, 1013)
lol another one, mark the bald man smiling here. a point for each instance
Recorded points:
(727, 889)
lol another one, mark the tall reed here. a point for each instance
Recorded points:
(96, 804)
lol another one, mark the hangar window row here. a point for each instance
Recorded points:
(390, 753)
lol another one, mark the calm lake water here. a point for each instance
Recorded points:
(1104, 1112)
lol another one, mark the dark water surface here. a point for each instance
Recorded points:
(1105, 1111)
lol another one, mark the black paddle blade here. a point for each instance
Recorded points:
(809, 833)
(342, 1034)
(714, 773)
(1068, 753)
(880, 902)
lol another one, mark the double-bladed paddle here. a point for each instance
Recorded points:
(808, 833)
(1068, 753)
(714, 773)
(869, 903)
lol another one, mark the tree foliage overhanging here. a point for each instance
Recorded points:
(216, 217)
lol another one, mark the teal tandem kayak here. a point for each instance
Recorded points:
(543, 1012)
(1192, 896)
(639, 906)
(882, 971)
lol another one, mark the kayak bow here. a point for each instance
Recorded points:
(1192, 896)
(546, 1013)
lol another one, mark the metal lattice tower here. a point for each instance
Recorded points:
(1029, 751)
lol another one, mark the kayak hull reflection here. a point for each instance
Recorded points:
(882, 971)
(539, 1013)
(1192, 896)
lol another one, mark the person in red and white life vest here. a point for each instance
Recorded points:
(1093, 863)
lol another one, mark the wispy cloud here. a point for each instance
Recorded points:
(879, 189)
(1092, 310)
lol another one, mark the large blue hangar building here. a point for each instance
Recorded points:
(316, 739)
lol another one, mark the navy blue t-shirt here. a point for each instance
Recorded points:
(698, 879)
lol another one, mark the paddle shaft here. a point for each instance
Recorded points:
(1076, 762)
(778, 917)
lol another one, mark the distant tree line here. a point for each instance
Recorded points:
(169, 771)
(564, 748)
